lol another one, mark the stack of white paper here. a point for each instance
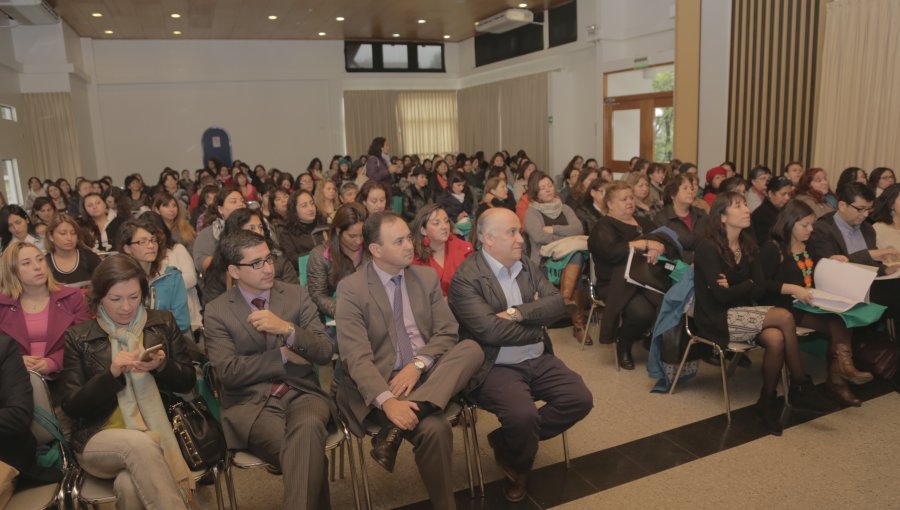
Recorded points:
(840, 286)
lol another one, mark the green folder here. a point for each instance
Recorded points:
(862, 314)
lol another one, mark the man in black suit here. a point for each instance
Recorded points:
(846, 232)
(503, 301)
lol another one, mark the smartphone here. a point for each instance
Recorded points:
(145, 356)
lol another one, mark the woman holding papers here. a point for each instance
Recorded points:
(611, 241)
(788, 271)
(728, 280)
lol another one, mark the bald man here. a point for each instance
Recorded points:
(504, 302)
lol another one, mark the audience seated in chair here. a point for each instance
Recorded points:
(402, 356)
(121, 429)
(264, 337)
(504, 302)
(728, 279)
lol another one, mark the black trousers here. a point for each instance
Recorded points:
(510, 392)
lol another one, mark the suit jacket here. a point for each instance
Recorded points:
(367, 339)
(249, 361)
(476, 297)
(826, 240)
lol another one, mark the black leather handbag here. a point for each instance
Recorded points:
(199, 434)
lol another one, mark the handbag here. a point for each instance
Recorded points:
(198, 433)
(877, 355)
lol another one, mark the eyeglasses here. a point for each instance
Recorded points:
(144, 242)
(258, 264)
(864, 210)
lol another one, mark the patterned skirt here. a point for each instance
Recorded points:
(745, 323)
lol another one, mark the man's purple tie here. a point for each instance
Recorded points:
(403, 341)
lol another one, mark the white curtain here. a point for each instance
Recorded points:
(428, 122)
(859, 87)
(52, 137)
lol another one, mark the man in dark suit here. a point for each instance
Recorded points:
(402, 357)
(503, 301)
(264, 336)
(846, 233)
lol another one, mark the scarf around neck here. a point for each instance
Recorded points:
(551, 209)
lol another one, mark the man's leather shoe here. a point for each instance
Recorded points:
(516, 490)
(385, 446)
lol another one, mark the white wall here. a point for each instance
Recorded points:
(715, 55)
(12, 134)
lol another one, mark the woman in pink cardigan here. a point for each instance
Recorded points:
(35, 310)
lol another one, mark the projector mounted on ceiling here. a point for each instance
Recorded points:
(29, 12)
(505, 21)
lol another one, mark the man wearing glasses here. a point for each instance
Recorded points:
(846, 232)
(264, 336)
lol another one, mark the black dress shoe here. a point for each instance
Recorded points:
(385, 446)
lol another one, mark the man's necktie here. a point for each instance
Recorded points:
(403, 341)
(278, 388)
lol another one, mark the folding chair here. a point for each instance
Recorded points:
(739, 349)
(43, 496)
(93, 491)
(596, 303)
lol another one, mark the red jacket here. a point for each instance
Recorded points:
(67, 307)
(455, 251)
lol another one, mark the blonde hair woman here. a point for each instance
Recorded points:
(326, 199)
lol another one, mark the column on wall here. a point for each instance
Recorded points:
(686, 97)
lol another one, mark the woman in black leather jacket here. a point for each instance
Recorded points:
(111, 389)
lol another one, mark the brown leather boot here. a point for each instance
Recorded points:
(842, 365)
(567, 283)
(579, 328)
(841, 391)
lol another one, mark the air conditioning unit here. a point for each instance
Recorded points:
(29, 12)
(505, 21)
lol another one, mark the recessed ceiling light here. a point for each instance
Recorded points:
(273, 17)
(421, 21)
(396, 35)
(108, 32)
(340, 18)
(176, 32)
(322, 34)
(175, 15)
(522, 6)
(446, 37)
(97, 14)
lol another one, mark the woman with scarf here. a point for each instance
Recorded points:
(547, 220)
(112, 390)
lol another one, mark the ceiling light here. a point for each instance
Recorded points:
(176, 32)
(108, 32)
(322, 34)
(273, 17)
(340, 18)
(396, 35)
(97, 14)
(446, 37)
(175, 15)
(421, 21)
(522, 6)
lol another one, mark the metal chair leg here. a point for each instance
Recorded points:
(724, 384)
(354, 481)
(220, 504)
(616, 353)
(364, 471)
(786, 384)
(587, 325)
(565, 439)
(476, 448)
(229, 483)
(331, 465)
(341, 453)
(687, 351)
(464, 426)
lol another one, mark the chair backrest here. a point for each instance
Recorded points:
(41, 397)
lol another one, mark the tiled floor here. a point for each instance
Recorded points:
(638, 449)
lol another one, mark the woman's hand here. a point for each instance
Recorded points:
(123, 362)
(548, 229)
(803, 295)
(36, 363)
(156, 361)
(722, 281)
(839, 258)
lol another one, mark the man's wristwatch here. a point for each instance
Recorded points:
(290, 331)
(513, 313)
(419, 364)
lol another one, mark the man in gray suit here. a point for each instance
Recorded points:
(402, 356)
(503, 301)
(264, 337)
